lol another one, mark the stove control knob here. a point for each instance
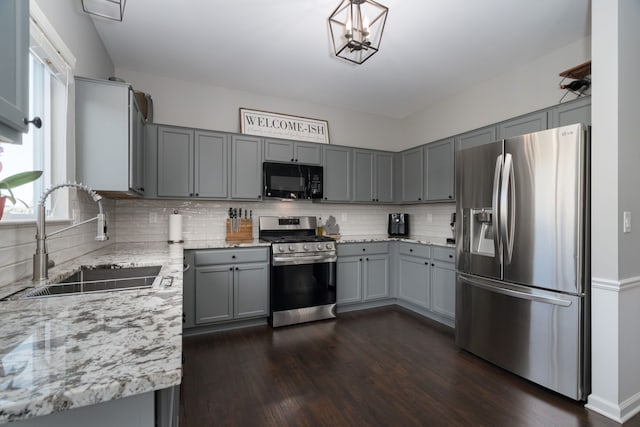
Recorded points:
(329, 246)
(292, 248)
(320, 246)
(305, 247)
(281, 248)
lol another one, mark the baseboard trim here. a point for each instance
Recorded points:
(619, 413)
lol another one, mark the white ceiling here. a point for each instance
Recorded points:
(430, 49)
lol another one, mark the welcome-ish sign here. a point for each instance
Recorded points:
(275, 125)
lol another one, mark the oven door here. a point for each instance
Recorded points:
(302, 282)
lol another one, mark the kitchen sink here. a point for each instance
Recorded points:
(99, 279)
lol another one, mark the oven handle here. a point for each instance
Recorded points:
(313, 259)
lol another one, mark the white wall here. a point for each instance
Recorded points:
(530, 87)
(80, 35)
(198, 105)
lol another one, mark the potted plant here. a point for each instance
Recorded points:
(14, 181)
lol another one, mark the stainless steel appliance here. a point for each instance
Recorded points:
(303, 270)
(292, 181)
(398, 224)
(523, 256)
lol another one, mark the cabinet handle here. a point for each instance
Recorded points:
(237, 268)
(410, 250)
(233, 256)
(259, 196)
(377, 200)
(367, 259)
(373, 200)
(364, 249)
(184, 318)
(426, 263)
(36, 121)
(292, 160)
(419, 198)
(360, 259)
(190, 194)
(450, 196)
(325, 198)
(433, 265)
(197, 194)
(141, 188)
(296, 160)
(230, 268)
(450, 256)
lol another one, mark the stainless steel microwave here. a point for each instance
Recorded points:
(292, 181)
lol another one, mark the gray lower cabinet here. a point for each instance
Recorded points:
(362, 272)
(285, 151)
(412, 167)
(440, 170)
(14, 69)
(568, 113)
(192, 163)
(426, 278)
(109, 137)
(337, 174)
(373, 176)
(246, 167)
(225, 284)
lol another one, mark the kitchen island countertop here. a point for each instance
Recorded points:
(58, 353)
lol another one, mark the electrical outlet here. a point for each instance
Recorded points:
(343, 217)
(626, 222)
(153, 217)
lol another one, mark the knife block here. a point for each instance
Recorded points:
(244, 232)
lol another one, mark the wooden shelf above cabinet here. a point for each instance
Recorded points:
(578, 72)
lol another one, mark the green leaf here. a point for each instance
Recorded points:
(19, 179)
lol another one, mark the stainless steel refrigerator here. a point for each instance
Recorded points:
(523, 256)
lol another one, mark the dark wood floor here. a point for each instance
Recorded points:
(380, 367)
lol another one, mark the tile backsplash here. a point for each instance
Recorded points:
(148, 220)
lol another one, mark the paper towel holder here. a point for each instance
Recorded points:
(175, 228)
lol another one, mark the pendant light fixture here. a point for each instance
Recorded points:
(110, 9)
(356, 29)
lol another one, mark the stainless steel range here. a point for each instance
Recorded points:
(303, 270)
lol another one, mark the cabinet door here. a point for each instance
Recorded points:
(246, 167)
(384, 177)
(136, 147)
(533, 122)
(414, 278)
(175, 160)
(337, 174)
(443, 289)
(568, 113)
(476, 137)
(14, 69)
(213, 294)
(412, 169)
(308, 153)
(363, 175)
(251, 290)
(349, 280)
(278, 150)
(210, 169)
(440, 171)
(376, 277)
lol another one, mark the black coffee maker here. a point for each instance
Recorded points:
(398, 224)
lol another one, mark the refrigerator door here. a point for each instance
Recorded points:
(478, 177)
(542, 209)
(533, 333)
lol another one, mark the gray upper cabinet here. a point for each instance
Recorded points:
(109, 136)
(14, 69)
(476, 137)
(364, 175)
(440, 170)
(523, 125)
(210, 164)
(281, 150)
(412, 166)
(246, 167)
(337, 173)
(175, 162)
(384, 177)
(577, 111)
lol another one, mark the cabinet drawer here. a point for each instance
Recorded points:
(444, 254)
(363, 248)
(231, 256)
(413, 249)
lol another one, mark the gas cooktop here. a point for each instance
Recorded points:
(296, 239)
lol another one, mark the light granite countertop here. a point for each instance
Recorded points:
(425, 240)
(221, 244)
(59, 353)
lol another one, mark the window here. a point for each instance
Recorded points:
(45, 148)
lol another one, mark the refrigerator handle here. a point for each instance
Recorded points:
(507, 194)
(514, 293)
(494, 204)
